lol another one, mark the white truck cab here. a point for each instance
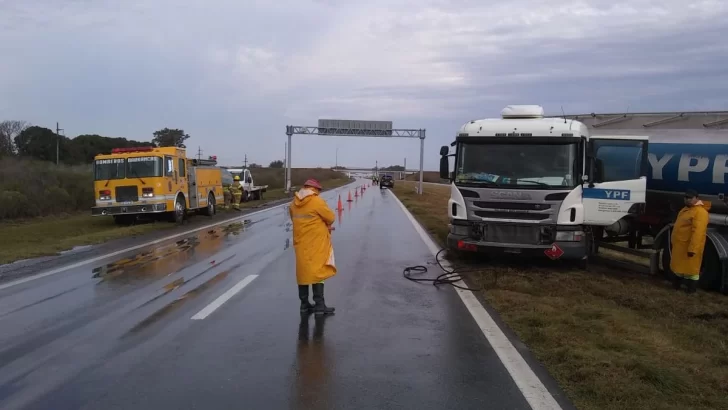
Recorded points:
(526, 184)
(250, 190)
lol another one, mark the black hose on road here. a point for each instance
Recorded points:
(448, 277)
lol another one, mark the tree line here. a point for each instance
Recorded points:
(22, 139)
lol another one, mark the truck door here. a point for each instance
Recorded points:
(617, 178)
(248, 180)
(170, 175)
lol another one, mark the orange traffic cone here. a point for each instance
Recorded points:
(339, 206)
(356, 192)
(349, 200)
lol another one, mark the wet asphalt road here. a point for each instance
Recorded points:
(119, 334)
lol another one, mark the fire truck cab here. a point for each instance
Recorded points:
(130, 182)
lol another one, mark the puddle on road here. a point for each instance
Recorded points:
(170, 258)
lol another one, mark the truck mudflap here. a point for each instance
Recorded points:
(129, 209)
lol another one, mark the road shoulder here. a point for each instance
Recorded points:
(538, 387)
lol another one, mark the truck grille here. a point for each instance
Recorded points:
(509, 233)
(533, 212)
(513, 215)
(520, 206)
(127, 193)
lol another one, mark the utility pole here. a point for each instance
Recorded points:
(337, 157)
(285, 163)
(245, 164)
(199, 153)
(58, 144)
(405, 168)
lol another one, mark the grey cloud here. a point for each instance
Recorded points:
(235, 74)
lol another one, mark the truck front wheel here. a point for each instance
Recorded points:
(178, 215)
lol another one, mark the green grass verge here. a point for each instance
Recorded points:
(51, 235)
(613, 340)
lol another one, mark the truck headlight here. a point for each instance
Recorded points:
(147, 192)
(570, 236)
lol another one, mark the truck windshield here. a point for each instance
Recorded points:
(517, 165)
(140, 167)
(106, 169)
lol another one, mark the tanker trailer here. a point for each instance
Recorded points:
(685, 151)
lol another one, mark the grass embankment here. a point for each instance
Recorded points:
(73, 226)
(51, 235)
(612, 340)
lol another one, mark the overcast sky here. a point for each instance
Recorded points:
(233, 73)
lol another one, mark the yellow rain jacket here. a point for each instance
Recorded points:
(311, 217)
(688, 235)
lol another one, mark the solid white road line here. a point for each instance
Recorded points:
(223, 298)
(535, 393)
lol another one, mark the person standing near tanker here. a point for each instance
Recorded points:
(687, 242)
(312, 225)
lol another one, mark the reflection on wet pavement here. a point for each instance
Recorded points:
(312, 367)
(177, 283)
(168, 259)
(179, 301)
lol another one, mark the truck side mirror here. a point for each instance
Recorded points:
(249, 180)
(444, 167)
(444, 150)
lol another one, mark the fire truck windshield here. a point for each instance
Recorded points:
(537, 165)
(141, 167)
(106, 169)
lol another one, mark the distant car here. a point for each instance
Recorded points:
(386, 181)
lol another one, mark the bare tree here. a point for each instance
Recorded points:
(8, 131)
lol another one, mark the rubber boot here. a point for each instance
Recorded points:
(676, 281)
(306, 306)
(692, 286)
(318, 297)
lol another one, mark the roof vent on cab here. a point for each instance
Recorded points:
(522, 111)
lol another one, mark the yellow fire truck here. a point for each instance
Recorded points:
(155, 181)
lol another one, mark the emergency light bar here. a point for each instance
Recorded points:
(132, 149)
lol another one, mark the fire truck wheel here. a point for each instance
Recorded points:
(179, 211)
(211, 208)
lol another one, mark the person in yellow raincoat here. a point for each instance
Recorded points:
(312, 225)
(688, 242)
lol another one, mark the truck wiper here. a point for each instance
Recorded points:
(133, 172)
(477, 183)
(536, 182)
